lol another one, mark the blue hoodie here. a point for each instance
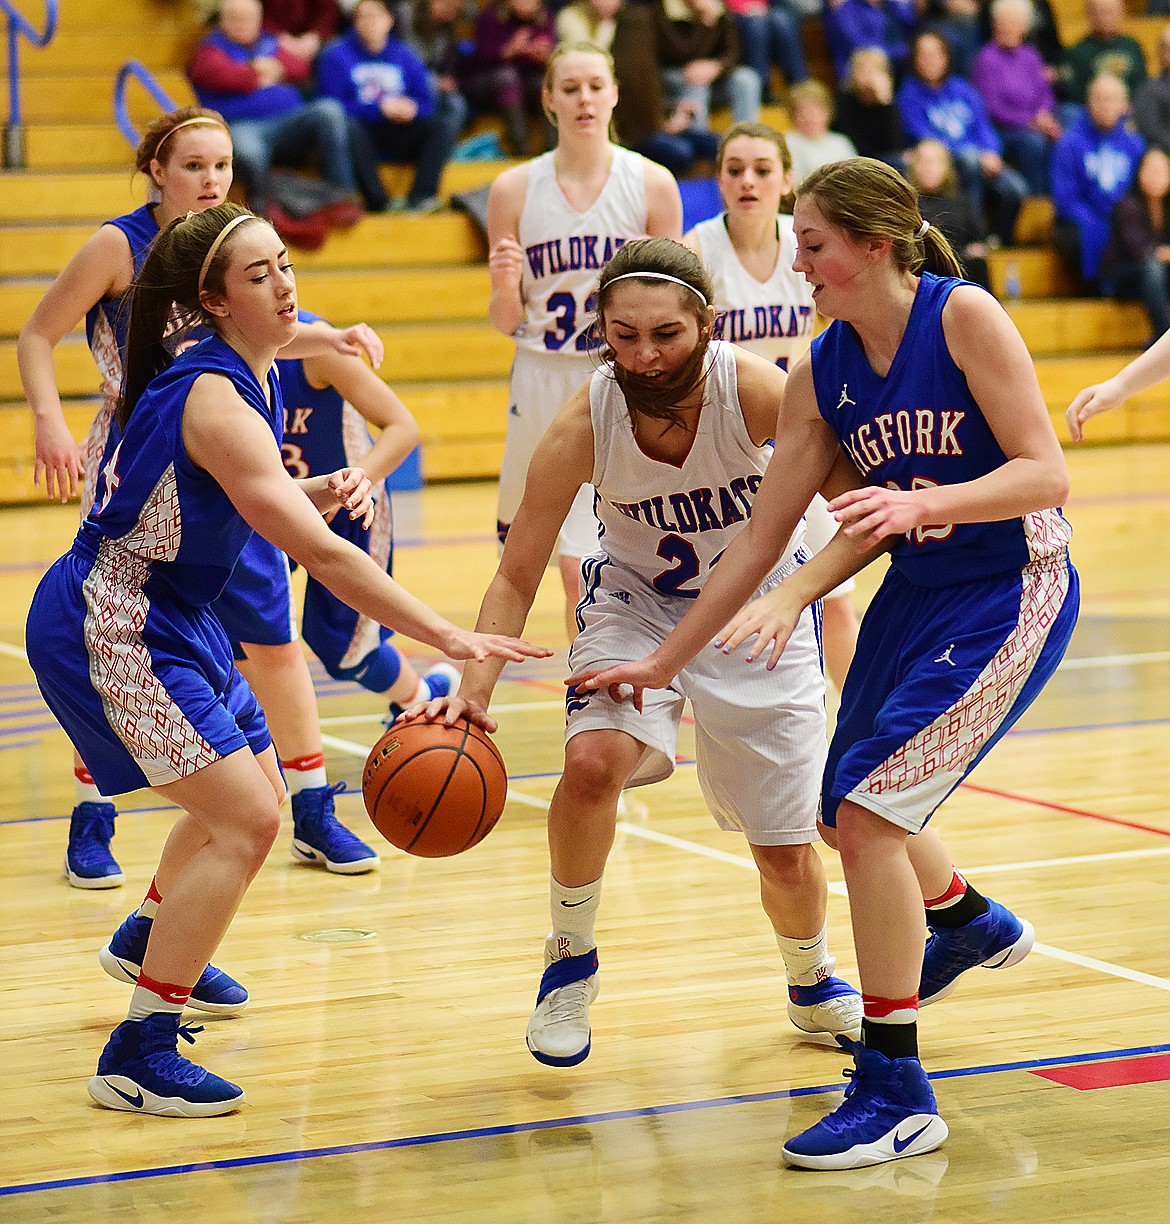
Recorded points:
(359, 81)
(953, 113)
(1091, 171)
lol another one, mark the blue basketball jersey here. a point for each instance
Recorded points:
(141, 229)
(920, 426)
(170, 521)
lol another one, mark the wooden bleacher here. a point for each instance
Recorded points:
(420, 281)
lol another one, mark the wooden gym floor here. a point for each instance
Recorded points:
(383, 1051)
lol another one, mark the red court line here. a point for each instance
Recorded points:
(1114, 1073)
(1070, 811)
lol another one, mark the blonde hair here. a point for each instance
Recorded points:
(157, 138)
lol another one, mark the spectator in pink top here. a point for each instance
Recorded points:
(505, 73)
(1010, 76)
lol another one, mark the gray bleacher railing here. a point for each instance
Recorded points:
(143, 75)
(19, 27)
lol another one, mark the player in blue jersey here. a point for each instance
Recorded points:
(924, 383)
(126, 650)
(328, 401)
(187, 155)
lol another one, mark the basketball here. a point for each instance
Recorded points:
(434, 790)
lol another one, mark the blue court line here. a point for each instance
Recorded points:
(521, 1128)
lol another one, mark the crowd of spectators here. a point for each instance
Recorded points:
(977, 100)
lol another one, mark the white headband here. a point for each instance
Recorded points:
(179, 126)
(223, 233)
(923, 228)
(662, 276)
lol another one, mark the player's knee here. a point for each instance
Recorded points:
(257, 831)
(592, 774)
(786, 867)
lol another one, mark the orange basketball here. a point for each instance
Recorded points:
(434, 790)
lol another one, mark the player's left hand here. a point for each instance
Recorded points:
(358, 339)
(625, 681)
(872, 514)
(464, 645)
(771, 618)
(353, 492)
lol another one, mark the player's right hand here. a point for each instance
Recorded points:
(58, 459)
(506, 262)
(449, 710)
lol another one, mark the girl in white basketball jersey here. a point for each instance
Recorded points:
(552, 224)
(762, 304)
(672, 431)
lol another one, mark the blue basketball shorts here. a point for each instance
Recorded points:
(145, 688)
(940, 674)
(257, 603)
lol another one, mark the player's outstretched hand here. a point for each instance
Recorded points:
(625, 681)
(769, 619)
(449, 710)
(1090, 403)
(358, 339)
(58, 459)
(354, 493)
(462, 644)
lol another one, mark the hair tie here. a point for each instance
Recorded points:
(186, 123)
(662, 276)
(223, 233)
(923, 228)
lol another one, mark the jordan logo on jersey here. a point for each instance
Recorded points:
(845, 398)
(945, 657)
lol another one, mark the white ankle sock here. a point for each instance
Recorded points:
(807, 961)
(574, 911)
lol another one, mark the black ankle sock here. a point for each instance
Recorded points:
(892, 1040)
(970, 905)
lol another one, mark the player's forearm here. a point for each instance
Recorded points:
(34, 359)
(504, 610)
(506, 311)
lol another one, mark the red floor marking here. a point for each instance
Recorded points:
(1111, 1074)
(1064, 807)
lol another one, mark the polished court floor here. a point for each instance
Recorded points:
(383, 1052)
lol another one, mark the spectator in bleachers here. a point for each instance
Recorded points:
(698, 47)
(505, 71)
(958, 21)
(386, 91)
(303, 26)
(591, 21)
(1012, 81)
(769, 36)
(866, 110)
(434, 34)
(1136, 259)
(242, 71)
(938, 105)
(1043, 35)
(1093, 165)
(644, 122)
(1103, 49)
(1151, 104)
(810, 142)
(850, 24)
(942, 203)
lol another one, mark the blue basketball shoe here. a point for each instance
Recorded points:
(440, 680)
(88, 861)
(122, 959)
(558, 1033)
(995, 940)
(889, 1112)
(142, 1071)
(827, 1011)
(319, 837)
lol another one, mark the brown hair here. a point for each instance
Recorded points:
(168, 287)
(950, 180)
(755, 131)
(870, 200)
(659, 257)
(156, 139)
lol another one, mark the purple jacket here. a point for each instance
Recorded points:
(1012, 84)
